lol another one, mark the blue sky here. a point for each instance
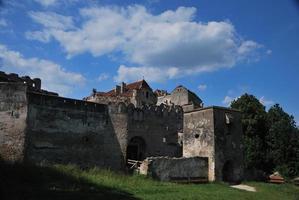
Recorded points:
(218, 49)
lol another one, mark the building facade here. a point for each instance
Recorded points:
(179, 96)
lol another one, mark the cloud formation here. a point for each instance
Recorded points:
(228, 100)
(202, 87)
(152, 74)
(54, 77)
(169, 40)
(46, 3)
(266, 102)
(103, 77)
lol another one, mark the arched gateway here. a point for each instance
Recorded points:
(136, 149)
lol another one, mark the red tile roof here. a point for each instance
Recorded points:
(128, 89)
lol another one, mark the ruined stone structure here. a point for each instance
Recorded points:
(194, 169)
(216, 133)
(179, 96)
(107, 129)
(32, 84)
(42, 128)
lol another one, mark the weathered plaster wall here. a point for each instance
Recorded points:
(175, 169)
(62, 130)
(179, 96)
(216, 133)
(13, 114)
(199, 137)
(158, 126)
(143, 96)
(183, 97)
(228, 144)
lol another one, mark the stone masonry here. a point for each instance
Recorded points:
(108, 128)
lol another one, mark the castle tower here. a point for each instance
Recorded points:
(216, 133)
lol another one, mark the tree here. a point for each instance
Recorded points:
(255, 130)
(283, 142)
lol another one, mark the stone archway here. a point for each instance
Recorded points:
(136, 149)
(228, 172)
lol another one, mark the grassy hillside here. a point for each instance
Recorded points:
(69, 182)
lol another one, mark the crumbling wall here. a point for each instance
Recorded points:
(199, 137)
(158, 126)
(62, 130)
(228, 145)
(119, 120)
(216, 133)
(193, 169)
(13, 115)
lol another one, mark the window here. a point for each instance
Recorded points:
(228, 118)
(147, 95)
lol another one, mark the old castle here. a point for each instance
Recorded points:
(130, 122)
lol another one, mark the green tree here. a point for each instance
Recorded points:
(254, 129)
(283, 142)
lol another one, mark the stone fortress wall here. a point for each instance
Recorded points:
(47, 129)
(40, 127)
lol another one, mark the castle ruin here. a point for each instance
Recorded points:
(130, 122)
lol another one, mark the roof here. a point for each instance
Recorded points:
(128, 89)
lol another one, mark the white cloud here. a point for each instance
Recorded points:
(269, 52)
(202, 87)
(265, 101)
(46, 3)
(228, 100)
(54, 77)
(103, 77)
(53, 20)
(151, 74)
(3, 22)
(247, 46)
(38, 35)
(169, 40)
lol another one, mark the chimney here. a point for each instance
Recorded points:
(117, 89)
(123, 88)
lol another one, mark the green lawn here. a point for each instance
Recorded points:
(69, 182)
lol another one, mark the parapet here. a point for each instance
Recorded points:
(42, 99)
(32, 84)
(139, 113)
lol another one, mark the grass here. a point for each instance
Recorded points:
(70, 182)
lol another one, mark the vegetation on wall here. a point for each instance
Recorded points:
(271, 139)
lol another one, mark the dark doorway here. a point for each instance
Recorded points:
(228, 172)
(136, 149)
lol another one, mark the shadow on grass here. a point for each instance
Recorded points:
(22, 182)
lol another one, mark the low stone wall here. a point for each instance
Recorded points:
(193, 169)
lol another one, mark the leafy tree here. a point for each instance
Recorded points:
(283, 142)
(255, 130)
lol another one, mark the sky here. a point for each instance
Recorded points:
(218, 49)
